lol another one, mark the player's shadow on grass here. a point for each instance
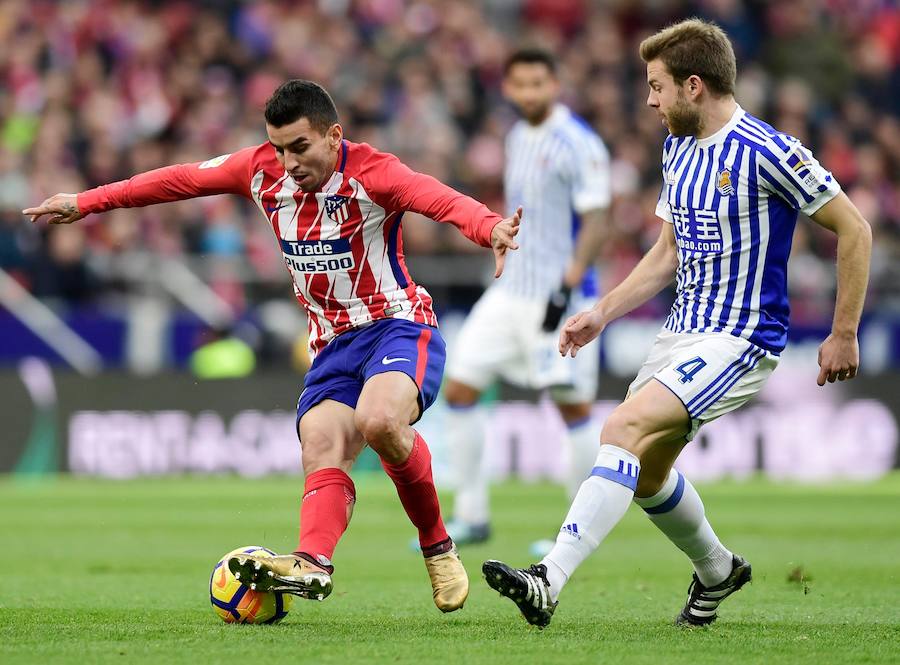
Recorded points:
(501, 628)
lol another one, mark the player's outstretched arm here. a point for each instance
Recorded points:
(227, 174)
(503, 238)
(61, 208)
(839, 353)
(648, 278)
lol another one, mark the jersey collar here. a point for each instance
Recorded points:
(720, 135)
(342, 157)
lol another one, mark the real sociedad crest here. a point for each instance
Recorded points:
(338, 207)
(723, 183)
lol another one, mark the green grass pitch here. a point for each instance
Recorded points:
(115, 572)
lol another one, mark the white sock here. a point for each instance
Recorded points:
(583, 441)
(600, 503)
(678, 512)
(465, 440)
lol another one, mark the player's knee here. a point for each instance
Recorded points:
(378, 425)
(624, 428)
(318, 451)
(459, 394)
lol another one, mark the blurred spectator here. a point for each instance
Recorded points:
(61, 269)
(96, 90)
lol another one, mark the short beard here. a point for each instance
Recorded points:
(538, 116)
(683, 119)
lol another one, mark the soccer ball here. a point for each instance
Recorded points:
(235, 603)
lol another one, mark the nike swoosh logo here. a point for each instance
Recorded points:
(272, 208)
(388, 361)
(223, 579)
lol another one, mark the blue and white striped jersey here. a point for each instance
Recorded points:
(555, 171)
(733, 198)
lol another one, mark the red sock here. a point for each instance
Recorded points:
(415, 488)
(324, 513)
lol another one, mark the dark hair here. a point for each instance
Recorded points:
(696, 47)
(530, 56)
(297, 99)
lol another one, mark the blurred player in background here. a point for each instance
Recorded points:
(335, 208)
(732, 188)
(557, 168)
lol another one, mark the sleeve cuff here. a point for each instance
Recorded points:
(813, 206)
(583, 204)
(89, 201)
(662, 211)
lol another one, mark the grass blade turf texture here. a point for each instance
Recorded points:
(113, 572)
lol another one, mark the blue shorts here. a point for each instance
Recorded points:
(389, 345)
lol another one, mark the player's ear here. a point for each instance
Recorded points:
(335, 135)
(693, 86)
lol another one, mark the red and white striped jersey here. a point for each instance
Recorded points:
(341, 244)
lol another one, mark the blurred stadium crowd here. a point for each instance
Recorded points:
(96, 90)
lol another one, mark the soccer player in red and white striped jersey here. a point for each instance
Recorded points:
(335, 209)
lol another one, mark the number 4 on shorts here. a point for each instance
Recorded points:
(690, 368)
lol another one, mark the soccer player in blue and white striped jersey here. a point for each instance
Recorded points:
(732, 190)
(557, 169)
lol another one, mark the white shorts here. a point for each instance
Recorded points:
(502, 338)
(711, 373)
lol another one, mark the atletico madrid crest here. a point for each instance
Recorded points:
(723, 183)
(338, 207)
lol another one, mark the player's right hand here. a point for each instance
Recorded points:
(62, 208)
(838, 358)
(579, 330)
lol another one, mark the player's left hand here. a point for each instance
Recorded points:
(838, 358)
(62, 208)
(503, 237)
(580, 330)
